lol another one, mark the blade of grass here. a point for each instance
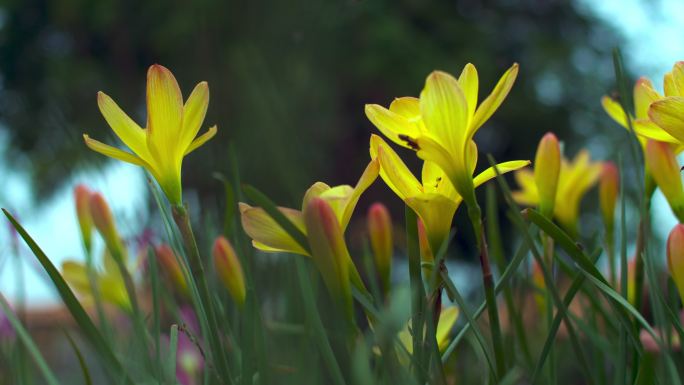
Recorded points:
(79, 357)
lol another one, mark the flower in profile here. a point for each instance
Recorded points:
(171, 131)
(268, 236)
(675, 257)
(380, 233)
(108, 282)
(661, 161)
(440, 125)
(575, 178)
(433, 198)
(229, 269)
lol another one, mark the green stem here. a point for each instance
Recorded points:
(417, 294)
(475, 215)
(182, 219)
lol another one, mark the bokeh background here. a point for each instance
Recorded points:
(288, 81)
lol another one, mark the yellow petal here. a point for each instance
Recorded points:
(647, 129)
(503, 168)
(113, 152)
(200, 140)
(614, 110)
(444, 111)
(494, 100)
(668, 114)
(194, 111)
(164, 112)
(447, 320)
(669, 85)
(313, 192)
(459, 175)
(666, 171)
(644, 95)
(469, 84)
(394, 126)
(676, 81)
(406, 107)
(547, 163)
(528, 194)
(393, 170)
(76, 276)
(265, 232)
(367, 178)
(436, 182)
(124, 127)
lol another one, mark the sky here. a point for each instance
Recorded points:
(654, 32)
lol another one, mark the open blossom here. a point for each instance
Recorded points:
(171, 131)
(440, 125)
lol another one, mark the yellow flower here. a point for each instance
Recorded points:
(440, 125)
(109, 282)
(661, 160)
(433, 198)
(170, 134)
(644, 95)
(268, 236)
(574, 180)
(447, 319)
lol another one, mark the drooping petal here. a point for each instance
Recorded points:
(444, 110)
(494, 100)
(367, 178)
(469, 84)
(394, 126)
(265, 232)
(200, 140)
(113, 152)
(393, 170)
(164, 113)
(194, 111)
(123, 126)
(668, 114)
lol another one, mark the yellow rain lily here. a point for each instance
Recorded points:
(575, 178)
(644, 95)
(434, 199)
(171, 131)
(440, 125)
(267, 235)
(109, 282)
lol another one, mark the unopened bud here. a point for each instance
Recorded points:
(664, 168)
(380, 232)
(229, 269)
(547, 164)
(85, 220)
(609, 186)
(675, 257)
(169, 263)
(329, 250)
(104, 223)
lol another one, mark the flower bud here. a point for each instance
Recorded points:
(104, 222)
(675, 257)
(540, 286)
(609, 186)
(547, 164)
(229, 269)
(380, 232)
(85, 220)
(329, 250)
(169, 263)
(664, 168)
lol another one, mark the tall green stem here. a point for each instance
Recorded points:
(475, 215)
(182, 219)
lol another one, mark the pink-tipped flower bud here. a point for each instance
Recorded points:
(547, 164)
(169, 264)
(229, 269)
(85, 220)
(104, 223)
(675, 257)
(380, 232)
(329, 250)
(662, 163)
(609, 188)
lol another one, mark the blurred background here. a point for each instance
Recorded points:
(288, 83)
